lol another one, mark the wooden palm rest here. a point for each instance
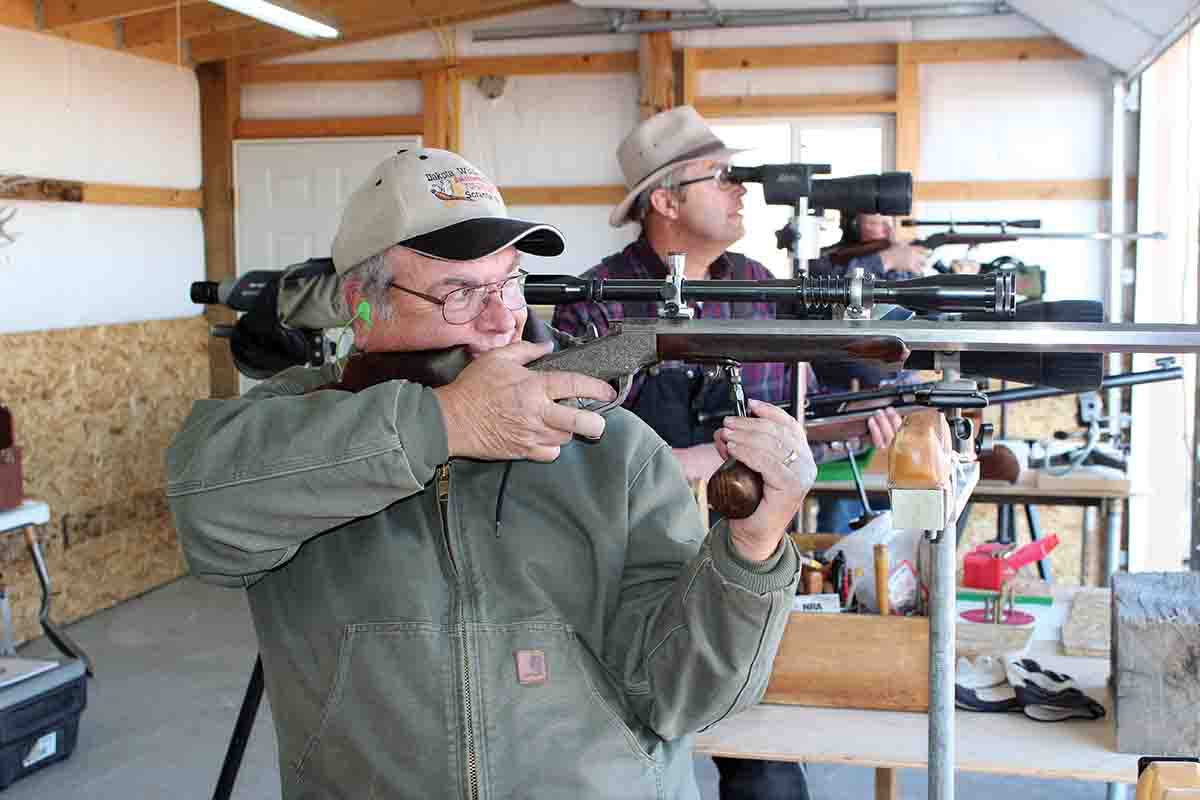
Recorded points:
(925, 481)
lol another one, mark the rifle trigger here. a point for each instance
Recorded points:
(624, 385)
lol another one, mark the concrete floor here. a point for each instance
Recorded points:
(171, 669)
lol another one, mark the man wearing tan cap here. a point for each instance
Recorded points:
(674, 167)
(453, 597)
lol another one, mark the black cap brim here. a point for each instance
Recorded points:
(473, 239)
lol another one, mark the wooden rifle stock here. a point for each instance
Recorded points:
(735, 490)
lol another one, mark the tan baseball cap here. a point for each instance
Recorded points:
(657, 146)
(436, 203)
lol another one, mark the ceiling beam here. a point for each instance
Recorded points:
(265, 41)
(59, 14)
(357, 71)
(197, 20)
(18, 14)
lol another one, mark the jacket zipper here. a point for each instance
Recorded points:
(443, 493)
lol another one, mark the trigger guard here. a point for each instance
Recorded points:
(624, 385)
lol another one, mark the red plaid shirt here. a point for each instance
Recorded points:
(770, 382)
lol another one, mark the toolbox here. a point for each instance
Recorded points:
(39, 719)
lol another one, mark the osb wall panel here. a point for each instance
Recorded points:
(94, 409)
(1038, 419)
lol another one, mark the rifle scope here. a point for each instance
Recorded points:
(888, 193)
(992, 294)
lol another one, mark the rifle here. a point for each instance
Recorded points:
(830, 417)
(844, 255)
(1048, 349)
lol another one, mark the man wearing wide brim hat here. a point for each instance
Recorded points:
(678, 191)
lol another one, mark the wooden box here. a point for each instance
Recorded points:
(852, 661)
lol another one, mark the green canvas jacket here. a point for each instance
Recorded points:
(434, 627)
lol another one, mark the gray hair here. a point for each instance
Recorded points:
(642, 206)
(374, 274)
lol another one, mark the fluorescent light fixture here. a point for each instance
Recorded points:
(284, 14)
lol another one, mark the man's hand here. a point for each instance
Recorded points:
(699, 462)
(883, 425)
(498, 410)
(764, 443)
(904, 258)
(964, 266)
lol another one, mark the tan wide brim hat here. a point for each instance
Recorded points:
(657, 146)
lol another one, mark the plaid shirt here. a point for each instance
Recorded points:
(770, 382)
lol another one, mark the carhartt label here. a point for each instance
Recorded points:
(42, 749)
(531, 667)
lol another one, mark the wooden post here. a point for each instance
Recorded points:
(689, 79)
(656, 68)
(885, 783)
(454, 112)
(908, 111)
(435, 108)
(220, 106)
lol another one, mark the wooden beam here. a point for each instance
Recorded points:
(818, 55)
(317, 127)
(59, 14)
(265, 41)
(656, 69)
(689, 78)
(1096, 189)
(549, 64)
(333, 72)
(791, 105)
(454, 117)
(960, 50)
(159, 26)
(98, 34)
(563, 195)
(18, 14)
(219, 109)
(51, 190)
(435, 109)
(908, 111)
(886, 785)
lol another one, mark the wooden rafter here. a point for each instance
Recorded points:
(548, 64)
(60, 14)
(265, 41)
(197, 20)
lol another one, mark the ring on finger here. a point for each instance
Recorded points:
(792, 455)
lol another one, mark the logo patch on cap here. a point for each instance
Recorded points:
(531, 667)
(461, 184)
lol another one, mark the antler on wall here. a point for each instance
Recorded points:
(6, 216)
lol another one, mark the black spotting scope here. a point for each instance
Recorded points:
(888, 193)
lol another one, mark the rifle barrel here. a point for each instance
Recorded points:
(974, 223)
(1109, 382)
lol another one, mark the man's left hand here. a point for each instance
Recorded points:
(883, 426)
(773, 444)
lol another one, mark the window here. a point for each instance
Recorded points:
(850, 145)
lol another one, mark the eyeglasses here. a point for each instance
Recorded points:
(721, 176)
(466, 304)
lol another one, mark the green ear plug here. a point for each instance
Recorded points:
(363, 312)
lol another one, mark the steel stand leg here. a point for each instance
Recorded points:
(941, 666)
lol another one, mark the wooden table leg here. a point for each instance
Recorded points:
(885, 783)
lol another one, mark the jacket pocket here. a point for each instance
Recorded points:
(555, 724)
(388, 725)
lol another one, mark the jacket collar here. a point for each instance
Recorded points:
(718, 270)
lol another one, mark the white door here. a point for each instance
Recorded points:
(289, 195)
